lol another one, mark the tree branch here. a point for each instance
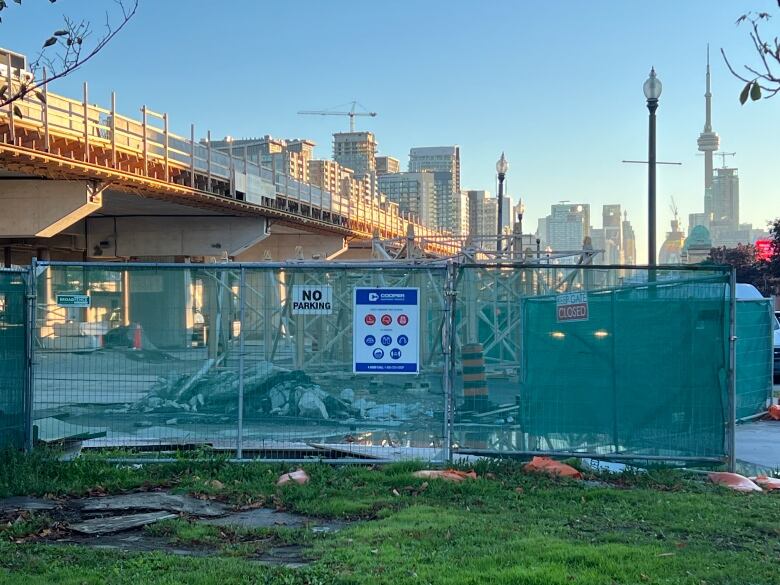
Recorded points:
(71, 41)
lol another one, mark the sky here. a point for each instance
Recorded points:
(555, 84)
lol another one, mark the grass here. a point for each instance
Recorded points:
(507, 527)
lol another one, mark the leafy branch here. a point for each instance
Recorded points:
(763, 80)
(63, 52)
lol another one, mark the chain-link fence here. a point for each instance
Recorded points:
(252, 360)
(387, 361)
(12, 358)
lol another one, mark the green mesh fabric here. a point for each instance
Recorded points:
(12, 348)
(754, 356)
(646, 374)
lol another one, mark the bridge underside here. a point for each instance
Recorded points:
(82, 220)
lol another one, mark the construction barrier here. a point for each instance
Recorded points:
(461, 360)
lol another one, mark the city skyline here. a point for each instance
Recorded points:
(565, 118)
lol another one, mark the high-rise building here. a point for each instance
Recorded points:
(629, 241)
(462, 214)
(290, 157)
(331, 176)
(356, 151)
(444, 162)
(387, 164)
(725, 197)
(507, 221)
(415, 193)
(567, 225)
(612, 223)
(482, 217)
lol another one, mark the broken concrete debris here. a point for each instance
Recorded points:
(268, 390)
(119, 523)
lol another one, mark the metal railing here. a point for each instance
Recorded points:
(148, 148)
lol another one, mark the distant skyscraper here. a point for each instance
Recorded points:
(629, 241)
(444, 162)
(507, 221)
(356, 151)
(387, 164)
(708, 141)
(725, 198)
(567, 225)
(483, 217)
(415, 193)
(612, 222)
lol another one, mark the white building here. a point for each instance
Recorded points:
(444, 162)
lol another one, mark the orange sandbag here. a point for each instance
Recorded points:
(446, 474)
(734, 481)
(774, 411)
(551, 467)
(767, 483)
(299, 476)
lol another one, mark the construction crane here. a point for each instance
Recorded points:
(351, 113)
(723, 156)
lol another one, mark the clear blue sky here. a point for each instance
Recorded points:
(555, 84)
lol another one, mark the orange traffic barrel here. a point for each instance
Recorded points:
(475, 389)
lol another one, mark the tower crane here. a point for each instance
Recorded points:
(351, 113)
(723, 156)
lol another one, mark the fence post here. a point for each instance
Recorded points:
(449, 366)
(29, 348)
(10, 83)
(86, 123)
(46, 140)
(145, 142)
(732, 378)
(241, 335)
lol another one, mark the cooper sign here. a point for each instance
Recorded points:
(572, 307)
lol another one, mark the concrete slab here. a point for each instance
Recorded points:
(25, 503)
(758, 443)
(155, 501)
(119, 523)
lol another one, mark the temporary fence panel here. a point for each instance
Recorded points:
(176, 356)
(754, 357)
(598, 361)
(12, 358)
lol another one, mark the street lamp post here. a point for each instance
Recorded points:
(652, 89)
(502, 166)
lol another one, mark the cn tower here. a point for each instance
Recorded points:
(708, 141)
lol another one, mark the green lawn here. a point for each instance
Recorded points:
(506, 527)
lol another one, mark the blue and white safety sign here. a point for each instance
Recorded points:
(386, 331)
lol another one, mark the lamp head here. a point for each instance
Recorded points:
(652, 86)
(502, 166)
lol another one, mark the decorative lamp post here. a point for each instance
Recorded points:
(652, 89)
(502, 166)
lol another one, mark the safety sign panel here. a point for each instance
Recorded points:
(73, 300)
(312, 299)
(572, 307)
(386, 331)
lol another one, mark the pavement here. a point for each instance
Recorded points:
(758, 443)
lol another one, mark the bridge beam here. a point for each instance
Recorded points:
(287, 243)
(34, 208)
(139, 237)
